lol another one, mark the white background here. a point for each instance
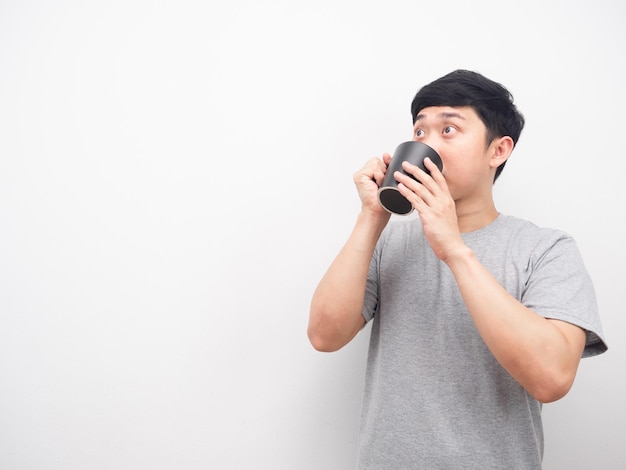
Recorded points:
(175, 177)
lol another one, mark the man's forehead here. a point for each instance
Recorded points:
(446, 112)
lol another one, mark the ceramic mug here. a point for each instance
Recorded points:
(413, 152)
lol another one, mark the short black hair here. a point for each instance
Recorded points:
(492, 102)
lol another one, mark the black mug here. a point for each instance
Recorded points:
(413, 152)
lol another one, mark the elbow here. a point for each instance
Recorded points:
(553, 388)
(329, 332)
(323, 338)
(320, 342)
(549, 395)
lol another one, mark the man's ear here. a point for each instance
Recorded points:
(501, 149)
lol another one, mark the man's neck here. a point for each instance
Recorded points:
(473, 217)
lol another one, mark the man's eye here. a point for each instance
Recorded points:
(419, 133)
(448, 130)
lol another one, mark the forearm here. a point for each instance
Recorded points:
(335, 316)
(534, 350)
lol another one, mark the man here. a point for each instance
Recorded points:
(478, 317)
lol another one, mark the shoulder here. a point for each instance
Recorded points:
(526, 228)
(514, 243)
(528, 236)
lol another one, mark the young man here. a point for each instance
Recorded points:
(478, 317)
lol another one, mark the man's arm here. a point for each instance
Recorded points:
(335, 316)
(541, 354)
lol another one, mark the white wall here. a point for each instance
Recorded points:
(175, 177)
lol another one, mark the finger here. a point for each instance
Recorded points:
(407, 181)
(380, 169)
(435, 181)
(374, 171)
(425, 193)
(379, 176)
(434, 170)
(435, 173)
(412, 196)
(414, 170)
(416, 188)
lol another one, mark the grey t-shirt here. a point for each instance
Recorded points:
(435, 397)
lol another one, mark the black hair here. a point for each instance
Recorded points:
(492, 102)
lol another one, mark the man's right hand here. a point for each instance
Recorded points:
(368, 180)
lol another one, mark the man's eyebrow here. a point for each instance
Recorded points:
(448, 115)
(443, 115)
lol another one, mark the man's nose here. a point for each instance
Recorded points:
(429, 140)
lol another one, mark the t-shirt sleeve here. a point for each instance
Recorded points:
(559, 287)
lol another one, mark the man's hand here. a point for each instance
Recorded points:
(432, 200)
(368, 180)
